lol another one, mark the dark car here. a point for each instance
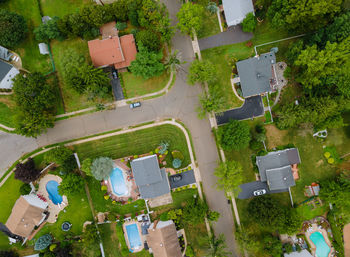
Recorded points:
(115, 74)
(134, 105)
(176, 178)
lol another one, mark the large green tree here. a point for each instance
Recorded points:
(200, 72)
(149, 39)
(101, 168)
(13, 28)
(48, 30)
(234, 136)
(230, 176)
(190, 17)
(218, 247)
(195, 211)
(249, 23)
(71, 184)
(35, 104)
(147, 64)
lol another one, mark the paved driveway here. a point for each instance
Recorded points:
(252, 107)
(231, 36)
(186, 178)
(247, 189)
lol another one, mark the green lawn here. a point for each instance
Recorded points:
(77, 212)
(221, 56)
(28, 50)
(136, 143)
(137, 86)
(6, 110)
(62, 7)
(210, 26)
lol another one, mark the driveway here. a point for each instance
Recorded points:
(117, 89)
(232, 35)
(247, 189)
(252, 107)
(180, 103)
(183, 179)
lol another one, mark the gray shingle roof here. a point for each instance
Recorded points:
(278, 165)
(4, 69)
(255, 74)
(236, 10)
(5, 54)
(280, 178)
(156, 189)
(150, 179)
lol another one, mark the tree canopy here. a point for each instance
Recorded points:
(13, 28)
(190, 17)
(149, 39)
(48, 30)
(195, 211)
(230, 175)
(234, 136)
(27, 172)
(249, 23)
(147, 64)
(71, 184)
(102, 167)
(201, 71)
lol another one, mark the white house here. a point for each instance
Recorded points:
(236, 10)
(7, 73)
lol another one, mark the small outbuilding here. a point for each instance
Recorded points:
(44, 48)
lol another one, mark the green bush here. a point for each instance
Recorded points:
(121, 25)
(111, 216)
(104, 188)
(177, 163)
(164, 216)
(255, 145)
(43, 242)
(249, 23)
(25, 189)
(163, 147)
(177, 155)
(331, 160)
(327, 154)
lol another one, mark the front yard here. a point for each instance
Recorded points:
(6, 110)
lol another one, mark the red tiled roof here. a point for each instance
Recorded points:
(116, 51)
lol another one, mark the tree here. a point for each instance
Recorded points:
(212, 7)
(48, 30)
(35, 104)
(121, 25)
(272, 245)
(90, 235)
(249, 23)
(13, 28)
(149, 39)
(201, 71)
(101, 168)
(234, 136)
(25, 189)
(303, 15)
(195, 211)
(71, 184)
(43, 242)
(147, 64)
(173, 61)
(218, 247)
(230, 174)
(119, 9)
(95, 15)
(213, 215)
(8, 253)
(190, 17)
(86, 166)
(26, 172)
(62, 156)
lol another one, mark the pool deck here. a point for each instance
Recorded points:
(134, 192)
(127, 238)
(314, 228)
(53, 208)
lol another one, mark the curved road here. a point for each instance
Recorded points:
(180, 103)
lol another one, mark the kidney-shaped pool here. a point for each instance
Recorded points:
(52, 190)
(118, 182)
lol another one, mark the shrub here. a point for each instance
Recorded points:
(121, 25)
(327, 154)
(43, 242)
(26, 172)
(71, 184)
(102, 167)
(104, 188)
(260, 129)
(149, 39)
(164, 216)
(157, 150)
(330, 160)
(177, 155)
(86, 166)
(114, 202)
(249, 23)
(106, 197)
(177, 163)
(234, 136)
(189, 251)
(13, 28)
(111, 216)
(53, 247)
(163, 147)
(25, 189)
(255, 145)
(136, 156)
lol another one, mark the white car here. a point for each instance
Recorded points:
(135, 105)
(259, 192)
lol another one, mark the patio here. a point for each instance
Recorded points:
(312, 228)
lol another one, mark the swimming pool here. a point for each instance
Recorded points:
(52, 190)
(322, 249)
(133, 236)
(118, 182)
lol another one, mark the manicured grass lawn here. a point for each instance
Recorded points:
(136, 143)
(6, 110)
(308, 212)
(137, 86)
(28, 50)
(221, 56)
(210, 26)
(60, 8)
(77, 212)
(103, 205)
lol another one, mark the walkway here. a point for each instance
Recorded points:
(231, 36)
(180, 103)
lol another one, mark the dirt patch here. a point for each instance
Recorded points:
(319, 163)
(347, 240)
(275, 137)
(6, 100)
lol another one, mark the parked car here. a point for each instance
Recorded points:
(134, 105)
(176, 178)
(259, 192)
(115, 74)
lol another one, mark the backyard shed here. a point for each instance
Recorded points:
(43, 48)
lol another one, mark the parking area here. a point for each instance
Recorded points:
(115, 83)
(247, 189)
(182, 179)
(252, 107)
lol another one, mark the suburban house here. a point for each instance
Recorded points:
(27, 214)
(257, 74)
(162, 239)
(7, 73)
(236, 10)
(302, 253)
(152, 182)
(279, 169)
(112, 50)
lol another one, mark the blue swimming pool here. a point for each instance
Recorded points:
(118, 182)
(52, 190)
(322, 249)
(133, 236)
